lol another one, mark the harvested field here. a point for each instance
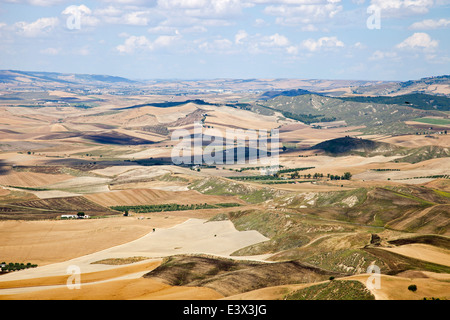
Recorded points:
(31, 179)
(66, 204)
(45, 242)
(82, 185)
(116, 138)
(154, 196)
(415, 141)
(424, 252)
(396, 288)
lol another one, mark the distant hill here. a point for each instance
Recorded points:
(413, 100)
(43, 78)
(288, 93)
(378, 118)
(340, 146)
(439, 85)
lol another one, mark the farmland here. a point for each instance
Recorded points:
(359, 181)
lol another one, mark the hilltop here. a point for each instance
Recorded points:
(345, 145)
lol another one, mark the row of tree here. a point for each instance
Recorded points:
(7, 267)
(345, 176)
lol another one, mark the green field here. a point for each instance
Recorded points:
(436, 121)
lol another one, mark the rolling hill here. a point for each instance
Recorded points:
(345, 145)
(377, 118)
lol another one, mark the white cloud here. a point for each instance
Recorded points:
(381, 55)
(240, 36)
(292, 50)
(51, 51)
(304, 11)
(419, 40)
(83, 13)
(275, 40)
(223, 46)
(37, 28)
(124, 15)
(322, 43)
(359, 45)
(430, 24)
(142, 43)
(41, 3)
(203, 8)
(136, 18)
(399, 8)
(310, 28)
(134, 42)
(260, 23)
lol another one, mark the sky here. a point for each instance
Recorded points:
(209, 39)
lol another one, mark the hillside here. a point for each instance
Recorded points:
(375, 117)
(432, 85)
(230, 277)
(413, 100)
(345, 145)
(288, 93)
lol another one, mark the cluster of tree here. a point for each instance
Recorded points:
(267, 177)
(294, 175)
(427, 132)
(279, 182)
(254, 168)
(345, 176)
(437, 176)
(170, 207)
(294, 169)
(7, 267)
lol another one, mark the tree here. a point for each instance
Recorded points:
(80, 214)
(412, 288)
(347, 176)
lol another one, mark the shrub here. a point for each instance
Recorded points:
(412, 288)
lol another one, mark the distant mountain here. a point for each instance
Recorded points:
(48, 78)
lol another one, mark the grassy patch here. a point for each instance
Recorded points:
(433, 121)
(222, 187)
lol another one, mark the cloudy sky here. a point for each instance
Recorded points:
(200, 39)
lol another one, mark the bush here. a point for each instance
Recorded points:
(412, 288)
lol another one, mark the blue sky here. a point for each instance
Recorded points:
(204, 39)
